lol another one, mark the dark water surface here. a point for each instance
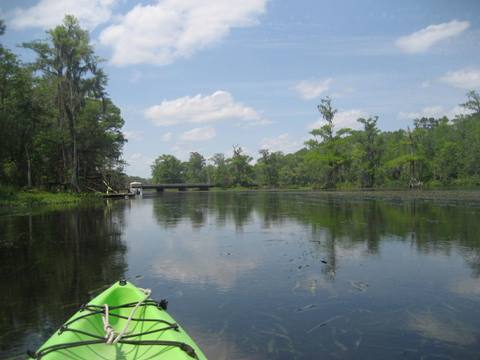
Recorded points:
(258, 275)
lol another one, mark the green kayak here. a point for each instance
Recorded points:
(120, 323)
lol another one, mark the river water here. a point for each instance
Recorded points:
(258, 275)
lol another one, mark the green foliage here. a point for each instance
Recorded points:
(268, 168)
(13, 197)
(219, 170)
(195, 171)
(369, 151)
(239, 168)
(59, 129)
(167, 169)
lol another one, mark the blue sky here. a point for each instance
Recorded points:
(203, 75)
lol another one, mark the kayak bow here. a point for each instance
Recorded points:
(120, 323)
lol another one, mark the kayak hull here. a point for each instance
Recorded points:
(152, 332)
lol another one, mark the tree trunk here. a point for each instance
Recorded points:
(71, 113)
(29, 167)
(74, 178)
(73, 138)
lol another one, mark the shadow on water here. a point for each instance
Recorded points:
(51, 263)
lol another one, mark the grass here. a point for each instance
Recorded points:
(14, 198)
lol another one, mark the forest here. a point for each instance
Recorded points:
(434, 153)
(61, 131)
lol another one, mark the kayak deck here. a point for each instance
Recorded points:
(152, 332)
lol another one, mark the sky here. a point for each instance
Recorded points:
(204, 75)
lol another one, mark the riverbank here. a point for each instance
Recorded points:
(12, 198)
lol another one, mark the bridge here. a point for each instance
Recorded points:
(161, 187)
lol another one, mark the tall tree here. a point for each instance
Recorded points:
(328, 113)
(68, 58)
(167, 169)
(240, 168)
(19, 112)
(269, 165)
(325, 155)
(221, 175)
(370, 151)
(195, 168)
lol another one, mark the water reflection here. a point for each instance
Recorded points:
(339, 227)
(50, 264)
(203, 261)
(451, 331)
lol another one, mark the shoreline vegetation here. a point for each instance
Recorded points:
(11, 198)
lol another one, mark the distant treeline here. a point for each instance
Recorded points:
(58, 126)
(435, 152)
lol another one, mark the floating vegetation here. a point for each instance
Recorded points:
(325, 323)
(308, 307)
(359, 285)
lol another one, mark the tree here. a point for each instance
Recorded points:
(325, 156)
(100, 144)
(167, 169)
(195, 168)
(221, 175)
(240, 168)
(370, 151)
(473, 102)
(69, 60)
(20, 111)
(328, 113)
(268, 167)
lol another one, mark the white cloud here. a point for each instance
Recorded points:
(199, 134)
(343, 119)
(139, 164)
(425, 84)
(435, 111)
(311, 89)
(49, 13)
(468, 79)
(167, 30)
(420, 41)
(282, 143)
(201, 109)
(429, 111)
(134, 135)
(198, 268)
(167, 137)
(135, 157)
